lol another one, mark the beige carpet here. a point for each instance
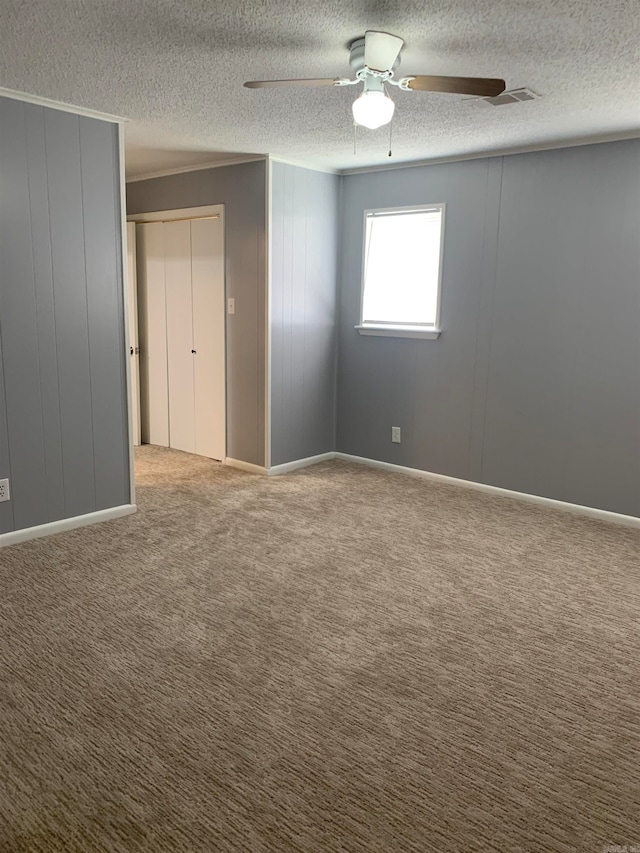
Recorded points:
(335, 660)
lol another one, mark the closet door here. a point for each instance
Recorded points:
(133, 355)
(177, 248)
(207, 277)
(154, 396)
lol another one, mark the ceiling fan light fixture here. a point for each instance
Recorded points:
(373, 109)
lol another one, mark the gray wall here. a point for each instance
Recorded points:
(534, 384)
(304, 243)
(63, 412)
(242, 190)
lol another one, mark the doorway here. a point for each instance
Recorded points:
(181, 330)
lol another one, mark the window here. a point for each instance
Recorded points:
(402, 271)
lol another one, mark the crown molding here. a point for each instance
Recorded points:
(231, 161)
(483, 155)
(197, 167)
(26, 98)
(381, 167)
(303, 164)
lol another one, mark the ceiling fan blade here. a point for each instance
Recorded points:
(381, 50)
(267, 84)
(484, 87)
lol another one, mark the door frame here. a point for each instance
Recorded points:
(207, 211)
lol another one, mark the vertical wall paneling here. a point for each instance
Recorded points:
(70, 297)
(300, 198)
(563, 400)
(207, 280)
(534, 384)
(102, 238)
(6, 507)
(242, 190)
(63, 403)
(262, 337)
(424, 387)
(277, 300)
(20, 326)
(45, 311)
(268, 308)
(177, 247)
(485, 316)
(246, 278)
(304, 229)
(154, 388)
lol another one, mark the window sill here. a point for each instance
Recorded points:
(400, 332)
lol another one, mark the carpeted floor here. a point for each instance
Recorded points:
(335, 660)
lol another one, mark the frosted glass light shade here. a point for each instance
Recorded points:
(373, 109)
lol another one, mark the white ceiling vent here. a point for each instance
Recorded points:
(515, 96)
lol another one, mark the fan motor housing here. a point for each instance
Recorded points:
(356, 55)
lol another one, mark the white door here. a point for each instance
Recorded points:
(207, 279)
(182, 334)
(134, 345)
(154, 396)
(177, 258)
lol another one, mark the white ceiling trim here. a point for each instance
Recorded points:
(231, 161)
(303, 164)
(196, 167)
(482, 155)
(385, 167)
(59, 105)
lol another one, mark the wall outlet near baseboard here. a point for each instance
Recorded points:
(395, 435)
(4, 490)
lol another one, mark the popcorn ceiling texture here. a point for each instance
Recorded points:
(176, 71)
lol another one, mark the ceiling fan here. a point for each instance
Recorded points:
(374, 58)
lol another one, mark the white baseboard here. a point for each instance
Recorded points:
(286, 467)
(249, 467)
(17, 536)
(550, 503)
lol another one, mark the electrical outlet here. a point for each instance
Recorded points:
(4, 490)
(395, 435)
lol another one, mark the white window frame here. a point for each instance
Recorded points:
(394, 330)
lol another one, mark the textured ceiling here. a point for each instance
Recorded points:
(176, 69)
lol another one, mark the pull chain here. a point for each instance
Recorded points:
(355, 138)
(390, 126)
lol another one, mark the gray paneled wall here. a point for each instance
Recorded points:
(563, 397)
(63, 407)
(304, 238)
(6, 508)
(242, 190)
(534, 384)
(425, 387)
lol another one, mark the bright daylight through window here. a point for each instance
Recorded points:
(402, 271)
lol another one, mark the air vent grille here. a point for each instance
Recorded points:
(515, 96)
